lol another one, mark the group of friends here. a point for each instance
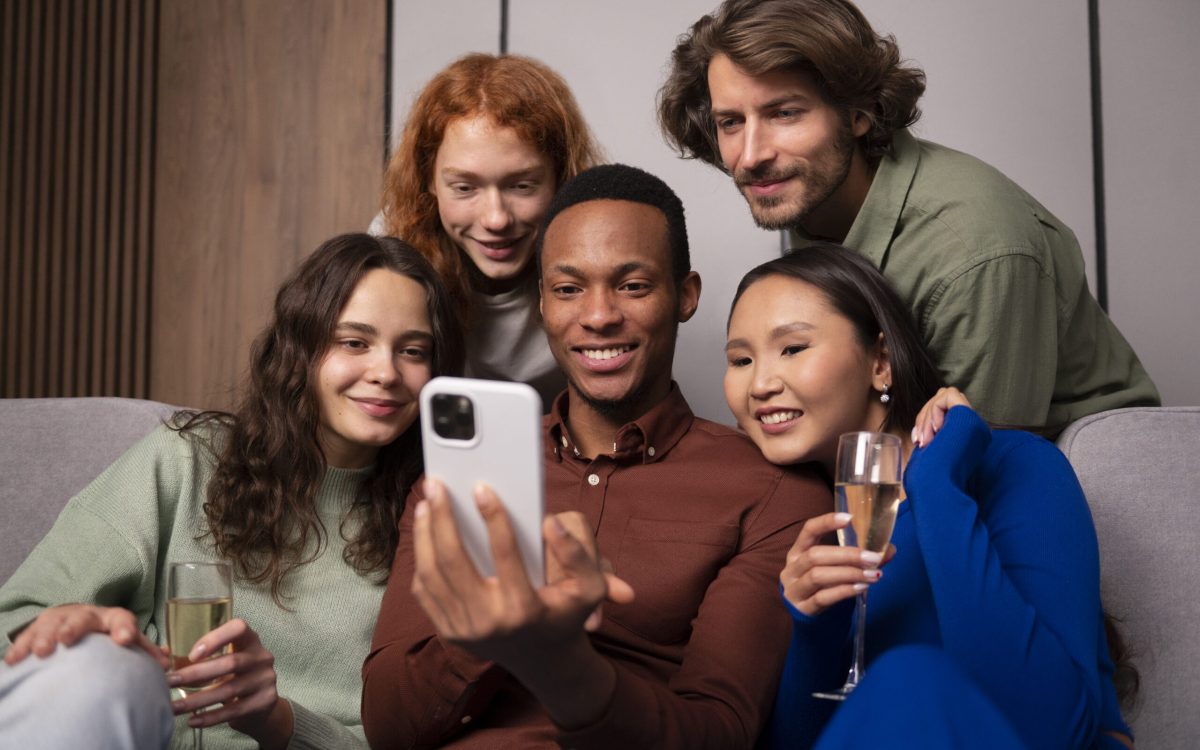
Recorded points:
(695, 596)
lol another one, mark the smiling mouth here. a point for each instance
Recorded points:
(779, 417)
(603, 354)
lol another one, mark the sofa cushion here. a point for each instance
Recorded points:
(1139, 470)
(51, 449)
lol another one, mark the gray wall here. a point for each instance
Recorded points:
(1011, 91)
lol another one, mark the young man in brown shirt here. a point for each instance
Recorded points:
(688, 512)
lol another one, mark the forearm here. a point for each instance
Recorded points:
(574, 684)
(1016, 597)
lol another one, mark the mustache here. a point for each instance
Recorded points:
(769, 173)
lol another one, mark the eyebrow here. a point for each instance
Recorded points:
(776, 332)
(369, 330)
(621, 270)
(779, 101)
(533, 170)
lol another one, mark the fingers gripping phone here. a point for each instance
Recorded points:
(488, 431)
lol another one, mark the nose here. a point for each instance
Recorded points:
(496, 217)
(382, 368)
(765, 382)
(601, 311)
(757, 148)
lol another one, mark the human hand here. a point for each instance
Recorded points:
(244, 683)
(501, 618)
(619, 592)
(817, 576)
(67, 623)
(933, 414)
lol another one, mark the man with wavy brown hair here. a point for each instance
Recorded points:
(807, 108)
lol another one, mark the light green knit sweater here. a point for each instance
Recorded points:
(111, 546)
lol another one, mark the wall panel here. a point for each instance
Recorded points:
(1149, 60)
(270, 122)
(73, 131)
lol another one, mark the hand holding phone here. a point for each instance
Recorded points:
(488, 431)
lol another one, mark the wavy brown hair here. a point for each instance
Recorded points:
(856, 69)
(513, 92)
(261, 498)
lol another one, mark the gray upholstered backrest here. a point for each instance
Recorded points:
(50, 449)
(1140, 469)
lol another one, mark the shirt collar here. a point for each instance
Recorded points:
(875, 225)
(646, 439)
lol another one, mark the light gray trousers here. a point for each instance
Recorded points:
(95, 694)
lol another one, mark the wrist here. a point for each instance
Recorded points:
(574, 683)
(275, 730)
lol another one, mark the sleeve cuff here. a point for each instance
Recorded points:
(313, 731)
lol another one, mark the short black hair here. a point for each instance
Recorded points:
(621, 182)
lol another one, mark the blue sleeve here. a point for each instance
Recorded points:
(817, 659)
(1013, 564)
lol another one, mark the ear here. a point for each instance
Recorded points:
(689, 296)
(881, 365)
(859, 123)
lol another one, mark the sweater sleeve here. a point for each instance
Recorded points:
(103, 548)
(314, 731)
(817, 659)
(1013, 565)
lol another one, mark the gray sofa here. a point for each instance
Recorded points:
(1137, 466)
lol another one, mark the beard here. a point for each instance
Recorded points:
(624, 409)
(817, 180)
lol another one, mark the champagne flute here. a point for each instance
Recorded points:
(867, 486)
(199, 598)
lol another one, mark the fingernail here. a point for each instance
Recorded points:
(197, 652)
(870, 558)
(873, 574)
(427, 487)
(483, 499)
(173, 680)
(842, 517)
(915, 435)
(557, 528)
(422, 509)
(860, 587)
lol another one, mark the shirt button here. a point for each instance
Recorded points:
(593, 480)
(650, 451)
(465, 720)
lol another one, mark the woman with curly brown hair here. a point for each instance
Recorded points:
(485, 147)
(300, 489)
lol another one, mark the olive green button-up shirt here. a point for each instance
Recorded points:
(997, 286)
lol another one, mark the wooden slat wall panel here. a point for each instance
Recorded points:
(76, 142)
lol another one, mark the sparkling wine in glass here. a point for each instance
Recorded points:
(867, 486)
(199, 598)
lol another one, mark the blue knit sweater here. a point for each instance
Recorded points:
(996, 564)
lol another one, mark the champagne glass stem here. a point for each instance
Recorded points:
(197, 738)
(860, 639)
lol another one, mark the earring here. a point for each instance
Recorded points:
(884, 397)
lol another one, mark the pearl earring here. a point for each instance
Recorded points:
(884, 397)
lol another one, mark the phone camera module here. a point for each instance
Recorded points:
(453, 416)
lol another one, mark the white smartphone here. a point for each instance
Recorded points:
(488, 431)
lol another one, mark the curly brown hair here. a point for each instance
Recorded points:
(261, 498)
(514, 92)
(856, 69)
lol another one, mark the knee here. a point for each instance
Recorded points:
(114, 693)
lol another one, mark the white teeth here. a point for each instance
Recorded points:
(779, 416)
(603, 354)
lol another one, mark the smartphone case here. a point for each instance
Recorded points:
(505, 453)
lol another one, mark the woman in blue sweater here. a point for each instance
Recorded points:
(984, 624)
